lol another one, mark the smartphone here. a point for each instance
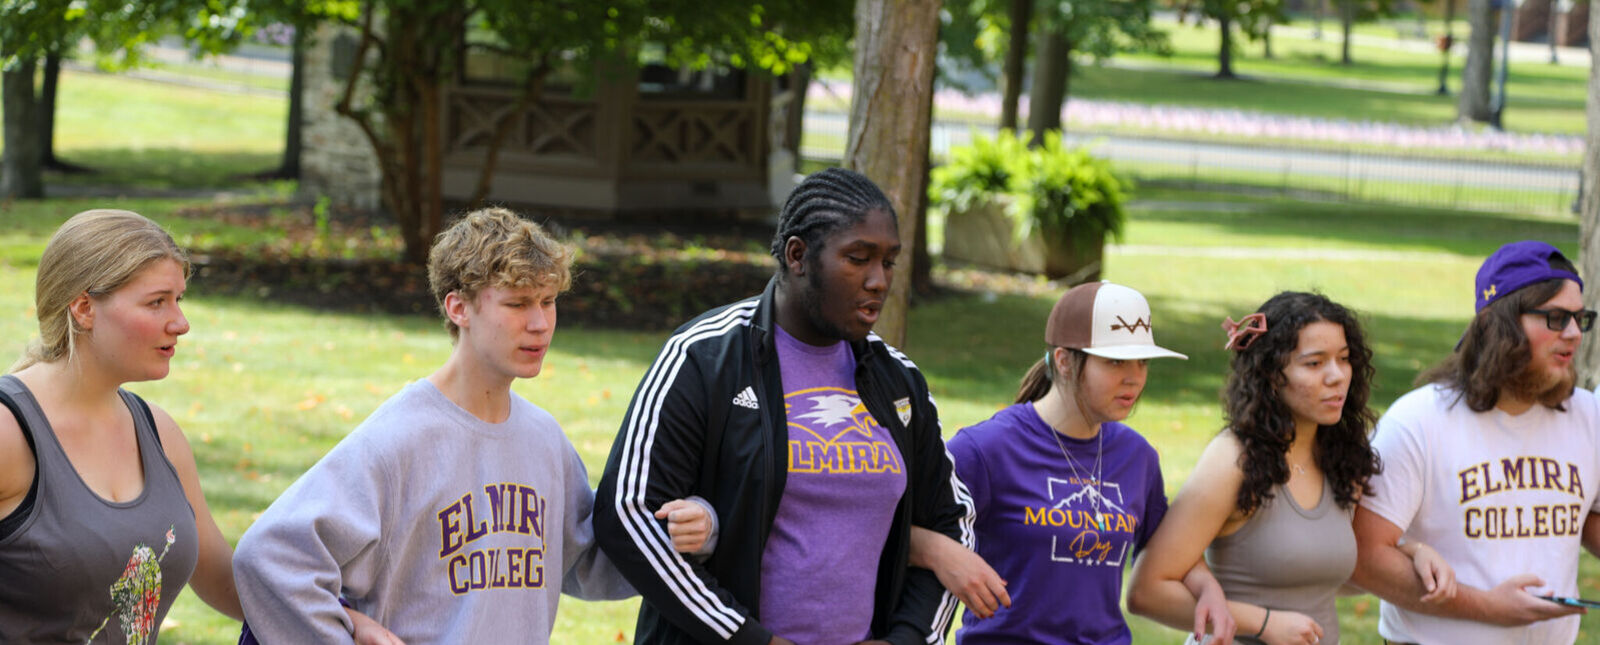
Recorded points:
(1574, 602)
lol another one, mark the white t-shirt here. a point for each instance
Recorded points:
(1497, 495)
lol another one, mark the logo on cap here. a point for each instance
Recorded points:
(1132, 328)
(1088, 317)
(1517, 265)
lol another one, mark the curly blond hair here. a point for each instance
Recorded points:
(494, 247)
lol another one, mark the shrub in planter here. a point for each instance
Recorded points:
(978, 171)
(1072, 201)
(1046, 210)
(973, 190)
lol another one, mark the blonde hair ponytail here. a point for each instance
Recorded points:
(95, 252)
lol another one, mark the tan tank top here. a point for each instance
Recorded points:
(81, 569)
(1288, 558)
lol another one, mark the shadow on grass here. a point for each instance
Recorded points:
(1200, 88)
(251, 482)
(159, 170)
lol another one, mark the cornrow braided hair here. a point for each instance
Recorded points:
(825, 202)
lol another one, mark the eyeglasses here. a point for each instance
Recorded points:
(1556, 319)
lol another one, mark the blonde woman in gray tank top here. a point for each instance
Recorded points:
(102, 521)
(1269, 504)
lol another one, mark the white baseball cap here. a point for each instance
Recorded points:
(1106, 320)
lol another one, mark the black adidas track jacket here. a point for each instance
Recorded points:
(690, 430)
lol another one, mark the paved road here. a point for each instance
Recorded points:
(1351, 166)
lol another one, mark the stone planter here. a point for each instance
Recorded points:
(985, 236)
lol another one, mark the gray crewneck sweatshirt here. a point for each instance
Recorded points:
(441, 527)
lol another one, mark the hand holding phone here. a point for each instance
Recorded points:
(1574, 602)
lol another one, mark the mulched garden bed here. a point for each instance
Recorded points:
(650, 275)
(635, 276)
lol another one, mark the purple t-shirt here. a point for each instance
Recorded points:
(1037, 525)
(820, 567)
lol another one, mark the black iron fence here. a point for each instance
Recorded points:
(1432, 178)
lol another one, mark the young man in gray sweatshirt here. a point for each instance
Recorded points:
(459, 511)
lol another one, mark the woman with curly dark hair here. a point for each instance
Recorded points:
(1271, 500)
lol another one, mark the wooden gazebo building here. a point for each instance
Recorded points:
(657, 141)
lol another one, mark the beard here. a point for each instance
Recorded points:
(1534, 383)
(811, 302)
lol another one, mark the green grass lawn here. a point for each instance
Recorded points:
(1529, 112)
(209, 71)
(1305, 78)
(148, 135)
(97, 111)
(1384, 84)
(1301, 57)
(1353, 192)
(261, 398)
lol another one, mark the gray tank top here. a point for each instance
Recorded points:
(1288, 558)
(80, 569)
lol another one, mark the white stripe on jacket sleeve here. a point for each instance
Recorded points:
(634, 473)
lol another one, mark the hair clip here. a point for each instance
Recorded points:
(1241, 334)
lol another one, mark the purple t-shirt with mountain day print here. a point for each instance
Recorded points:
(820, 568)
(1057, 534)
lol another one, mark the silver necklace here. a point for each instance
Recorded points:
(1099, 451)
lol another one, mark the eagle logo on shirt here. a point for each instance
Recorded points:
(831, 431)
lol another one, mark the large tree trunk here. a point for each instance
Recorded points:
(1589, 225)
(1447, 44)
(408, 143)
(921, 260)
(799, 80)
(289, 167)
(896, 44)
(1550, 26)
(1474, 104)
(785, 127)
(47, 117)
(47, 106)
(1052, 66)
(21, 165)
(1021, 14)
(1347, 19)
(408, 196)
(1225, 46)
